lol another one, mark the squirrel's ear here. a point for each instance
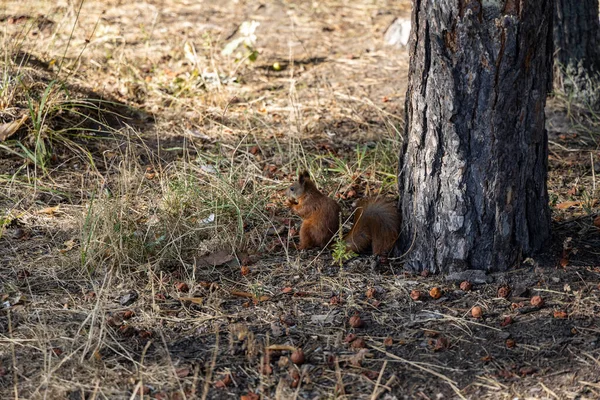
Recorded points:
(304, 176)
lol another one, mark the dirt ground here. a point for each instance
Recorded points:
(145, 251)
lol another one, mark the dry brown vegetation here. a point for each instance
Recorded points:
(145, 251)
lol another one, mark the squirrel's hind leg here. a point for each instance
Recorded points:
(306, 239)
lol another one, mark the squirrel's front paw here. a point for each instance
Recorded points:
(289, 203)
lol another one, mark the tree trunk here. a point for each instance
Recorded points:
(473, 168)
(577, 61)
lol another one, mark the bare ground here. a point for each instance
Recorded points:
(116, 282)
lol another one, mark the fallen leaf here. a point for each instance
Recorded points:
(8, 129)
(249, 296)
(286, 290)
(182, 287)
(568, 204)
(254, 150)
(195, 300)
(281, 347)
(370, 374)
(217, 258)
(350, 338)
(250, 396)
(441, 343)
(223, 382)
(129, 298)
(244, 270)
(527, 371)
(69, 244)
(558, 314)
(190, 52)
(182, 372)
(208, 220)
(145, 334)
(115, 321)
(242, 294)
(48, 210)
(358, 358)
(358, 343)
(430, 333)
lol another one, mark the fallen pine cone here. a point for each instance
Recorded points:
(297, 357)
(435, 293)
(537, 301)
(355, 321)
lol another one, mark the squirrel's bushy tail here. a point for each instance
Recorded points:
(376, 226)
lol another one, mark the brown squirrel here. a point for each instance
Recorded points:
(376, 227)
(376, 221)
(319, 213)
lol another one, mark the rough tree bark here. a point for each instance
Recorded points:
(577, 56)
(473, 168)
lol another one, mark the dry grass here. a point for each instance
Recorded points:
(151, 166)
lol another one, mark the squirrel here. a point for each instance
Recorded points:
(376, 221)
(376, 227)
(319, 213)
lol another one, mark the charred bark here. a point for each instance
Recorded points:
(577, 59)
(473, 169)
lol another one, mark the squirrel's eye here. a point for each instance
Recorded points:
(291, 188)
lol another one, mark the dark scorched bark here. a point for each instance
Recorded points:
(473, 168)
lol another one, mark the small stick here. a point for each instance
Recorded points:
(375, 394)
